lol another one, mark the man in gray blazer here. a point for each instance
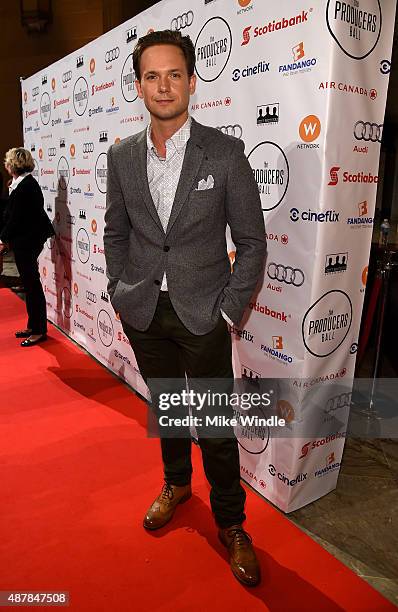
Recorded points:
(172, 189)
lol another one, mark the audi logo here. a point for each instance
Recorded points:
(368, 131)
(112, 55)
(285, 274)
(52, 151)
(67, 76)
(338, 401)
(231, 130)
(91, 296)
(182, 21)
(88, 147)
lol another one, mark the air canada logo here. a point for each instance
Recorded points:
(101, 169)
(83, 245)
(213, 49)
(63, 172)
(80, 96)
(268, 114)
(309, 130)
(335, 263)
(355, 25)
(105, 328)
(271, 171)
(45, 108)
(326, 323)
(127, 80)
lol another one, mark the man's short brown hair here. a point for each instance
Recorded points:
(165, 37)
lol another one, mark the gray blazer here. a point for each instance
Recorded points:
(193, 250)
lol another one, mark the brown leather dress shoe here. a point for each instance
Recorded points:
(164, 506)
(243, 560)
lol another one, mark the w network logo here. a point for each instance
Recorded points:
(334, 177)
(310, 128)
(246, 36)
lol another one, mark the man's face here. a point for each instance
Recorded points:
(165, 86)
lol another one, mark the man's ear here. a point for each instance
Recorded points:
(138, 88)
(192, 84)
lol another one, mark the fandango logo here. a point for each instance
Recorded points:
(277, 354)
(275, 314)
(274, 26)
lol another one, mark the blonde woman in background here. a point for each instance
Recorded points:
(25, 231)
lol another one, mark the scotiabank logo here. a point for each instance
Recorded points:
(274, 26)
(306, 448)
(348, 177)
(97, 88)
(268, 312)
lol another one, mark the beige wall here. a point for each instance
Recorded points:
(75, 23)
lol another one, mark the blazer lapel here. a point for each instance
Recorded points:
(192, 160)
(139, 164)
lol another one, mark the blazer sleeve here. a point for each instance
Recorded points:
(117, 227)
(246, 221)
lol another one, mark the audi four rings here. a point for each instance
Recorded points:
(285, 274)
(368, 131)
(231, 130)
(182, 21)
(88, 147)
(111, 55)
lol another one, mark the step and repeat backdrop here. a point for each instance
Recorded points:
(305, 87)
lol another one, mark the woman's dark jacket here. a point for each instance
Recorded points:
(26, 224)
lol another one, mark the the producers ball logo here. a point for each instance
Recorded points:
(63, 172)
(83, 245)
(101, 169)
(80, 96)
(252, 438)
(45, 108)
(271, 171)
(127, 80)
(355, 25)
(105, 328)
(213, 49)
(66, 301)
(326, 323)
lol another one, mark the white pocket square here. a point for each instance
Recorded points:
(206, 183)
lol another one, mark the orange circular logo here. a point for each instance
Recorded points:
(25, 96)
(244, 2)
(94, 226)
(310, 128)
(72, 150)
(365, 276)
(53, 83)
(75, 288)
(40, 153)
(92, 65)
(285, 410)
(44, 271)
(150, 31)
(117, 140)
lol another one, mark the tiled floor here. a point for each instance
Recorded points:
(358, 522)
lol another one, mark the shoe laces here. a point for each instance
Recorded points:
(239, 536)
(167, 492)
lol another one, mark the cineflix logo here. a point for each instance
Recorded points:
(329, 216)
(258, 69)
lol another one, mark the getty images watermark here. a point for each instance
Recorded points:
(216, 401)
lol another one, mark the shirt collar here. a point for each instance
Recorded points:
(179, 139)
(16, 181)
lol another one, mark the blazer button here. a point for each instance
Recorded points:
(166, 249)
(157, 282)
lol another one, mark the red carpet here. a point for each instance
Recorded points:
(77, 475)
